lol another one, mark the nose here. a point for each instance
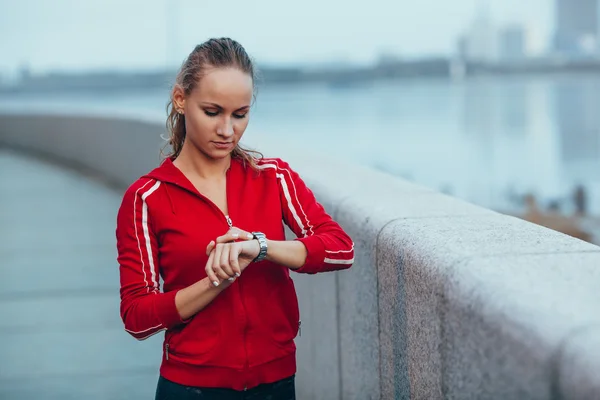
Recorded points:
(226, 129)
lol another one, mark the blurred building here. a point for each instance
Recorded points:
(578, 121)
(576, 24)
(480, 42)
(513, 42)
(519, 41)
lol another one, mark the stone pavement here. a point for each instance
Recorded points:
(61, 334)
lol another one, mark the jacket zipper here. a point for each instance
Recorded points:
(246, 364)
(230, 223)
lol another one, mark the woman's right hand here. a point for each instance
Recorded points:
(229, 255)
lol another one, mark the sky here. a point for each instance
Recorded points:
(72, 35)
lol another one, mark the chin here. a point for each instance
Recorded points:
(219, 154)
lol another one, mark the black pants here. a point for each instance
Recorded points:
(284, 389)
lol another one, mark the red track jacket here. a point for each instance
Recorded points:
(245, 336)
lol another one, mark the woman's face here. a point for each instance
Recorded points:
(217, 111)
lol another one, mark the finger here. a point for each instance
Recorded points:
(210, 247)
(234, 234)
(244, 235)
(209, 270)
(225, 266)
(217, 263)
(231, 236)
(234, 254)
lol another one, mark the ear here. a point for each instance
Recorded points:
(178, 98)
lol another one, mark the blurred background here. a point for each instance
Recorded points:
(496, 102)
(492, 101)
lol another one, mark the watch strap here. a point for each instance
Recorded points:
(262, 241)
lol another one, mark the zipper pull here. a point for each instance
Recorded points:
(229, 221)
(167, 351)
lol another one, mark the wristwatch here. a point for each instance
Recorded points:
(262, 241)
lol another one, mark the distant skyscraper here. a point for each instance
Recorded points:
(480, 43)
(513, 42)
(576, 27)
(518, 41)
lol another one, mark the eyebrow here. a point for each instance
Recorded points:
(221, 108)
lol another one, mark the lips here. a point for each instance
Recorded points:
(223, 145)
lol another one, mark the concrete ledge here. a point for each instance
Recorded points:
(578, 365)
(117, 150)
(427, 269)
(445, 300)
(504, 336)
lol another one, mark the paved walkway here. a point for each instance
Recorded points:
(60, 330)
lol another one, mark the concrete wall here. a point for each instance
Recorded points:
(445, 300)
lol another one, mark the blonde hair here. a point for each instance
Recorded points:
(214, 53)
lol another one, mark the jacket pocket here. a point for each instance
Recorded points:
(193, 342)
(282, 319)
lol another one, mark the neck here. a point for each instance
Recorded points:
(192, 161)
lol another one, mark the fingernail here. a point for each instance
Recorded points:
(235, 235)
(231, 279)
(216, 283)
(237, 275)
(250, 236)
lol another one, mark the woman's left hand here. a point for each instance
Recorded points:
(230, 255)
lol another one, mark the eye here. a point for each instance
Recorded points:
(240, 116)
(211, 113)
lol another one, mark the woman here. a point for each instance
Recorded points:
(208, 221)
